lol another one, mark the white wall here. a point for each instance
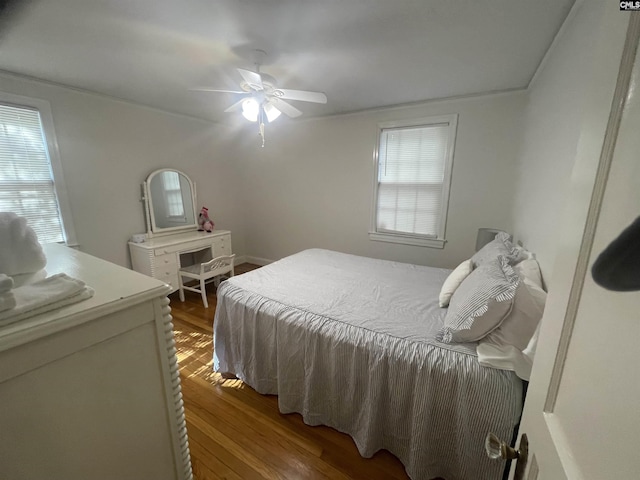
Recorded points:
(587, 58)
(575, 72)
(108, 147)
(312, 185)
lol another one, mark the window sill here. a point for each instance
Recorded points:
(407, 240)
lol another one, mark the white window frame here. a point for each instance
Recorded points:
(46, 118)
(439, 240)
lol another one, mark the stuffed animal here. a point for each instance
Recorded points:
(204, 222)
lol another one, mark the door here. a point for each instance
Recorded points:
(582, 413)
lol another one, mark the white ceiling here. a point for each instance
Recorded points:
(361, 53)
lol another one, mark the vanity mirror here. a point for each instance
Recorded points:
(170, 198)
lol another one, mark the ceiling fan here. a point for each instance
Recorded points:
(263, 99)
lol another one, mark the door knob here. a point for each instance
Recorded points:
(496, 448)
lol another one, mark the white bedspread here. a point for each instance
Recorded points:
(349, 342)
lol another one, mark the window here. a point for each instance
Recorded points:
(413, 163)
(31, 183)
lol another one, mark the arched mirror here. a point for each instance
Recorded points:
(170, 199)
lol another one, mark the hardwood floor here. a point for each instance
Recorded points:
(236, 433)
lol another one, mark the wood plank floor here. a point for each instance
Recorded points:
(236, 433)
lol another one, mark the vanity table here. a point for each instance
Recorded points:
(161, 257)
(172, 240)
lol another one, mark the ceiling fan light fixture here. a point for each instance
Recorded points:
(271, 112)
(263, 98)
(250, 109)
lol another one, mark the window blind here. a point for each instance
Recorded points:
(411, 175)
(26, 179)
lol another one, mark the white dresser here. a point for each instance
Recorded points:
(161, 256)
(92, 390)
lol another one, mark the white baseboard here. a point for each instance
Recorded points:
(240, 260)
(255, 260)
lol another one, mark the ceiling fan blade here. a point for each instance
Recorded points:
(302, 95)
(286, 108)
(252, 78)
(235, 106)
(206, 89)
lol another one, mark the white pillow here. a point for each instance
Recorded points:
(523, 253)
(453, 281)
(529, 271)
(481, 302)
(503, 348)
(524, 370)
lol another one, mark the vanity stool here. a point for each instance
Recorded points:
(203, 272)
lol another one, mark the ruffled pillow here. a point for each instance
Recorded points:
(481, 302)
(499, 246)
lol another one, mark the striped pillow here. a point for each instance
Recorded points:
(481, 302)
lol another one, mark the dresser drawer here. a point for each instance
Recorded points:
(166, 261)
(170, 278)
(162, 273)
(184, 247)
(222, 245)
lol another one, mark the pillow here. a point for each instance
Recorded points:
(517, 329)
(523, 253)
(503, 348)
(499, 246)
(524, 371)
(480, 303)
(529, 271)
(453, 281)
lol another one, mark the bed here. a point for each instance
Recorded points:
(350, 342)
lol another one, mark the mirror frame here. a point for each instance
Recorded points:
(152, 228)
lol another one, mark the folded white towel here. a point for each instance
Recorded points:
(6, 283)
(49, 294)
(7, 301)
(27, 278)
(21, 252)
